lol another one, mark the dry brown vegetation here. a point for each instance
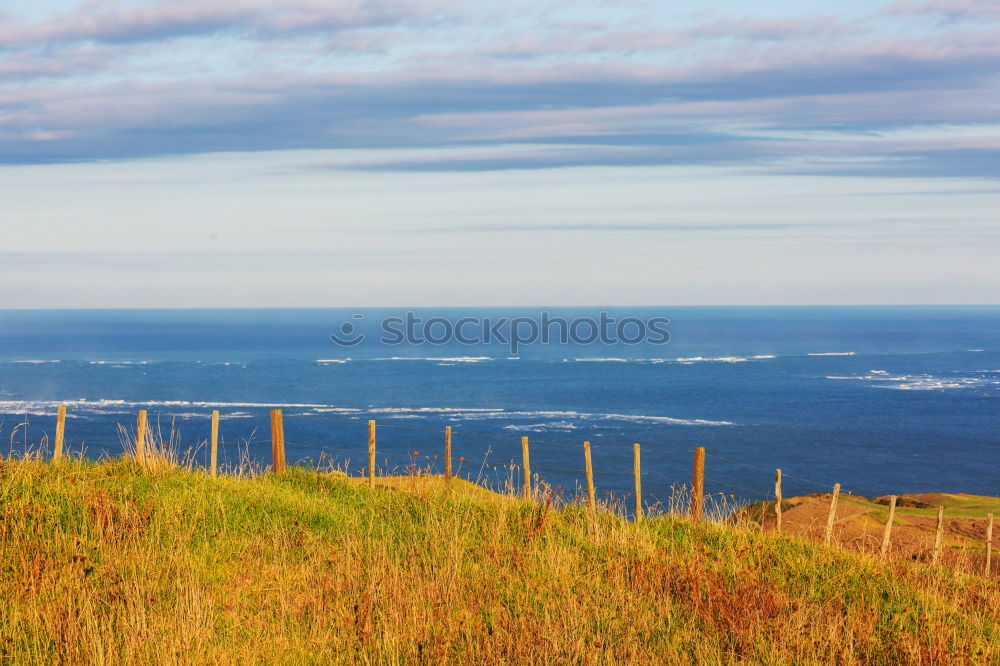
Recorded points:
(860, 525)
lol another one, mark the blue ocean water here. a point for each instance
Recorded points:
(880, 399)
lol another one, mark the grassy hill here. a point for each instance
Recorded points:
(860, 524)
(109, 563)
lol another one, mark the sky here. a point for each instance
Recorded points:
(246, 153)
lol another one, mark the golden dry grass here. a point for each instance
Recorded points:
(111, 563)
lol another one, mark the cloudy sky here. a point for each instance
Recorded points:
(437, 152)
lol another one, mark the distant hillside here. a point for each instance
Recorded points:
(107, 563)
(860, 523)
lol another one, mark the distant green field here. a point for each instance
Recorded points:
(956, 506)
(110, 563)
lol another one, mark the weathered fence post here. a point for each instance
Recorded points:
(828, 537)
(777, 500)
(57, 450)
(989, 544)
(371, 454)
(526, 459)
(591, 498)
(140, 435)
(887, 535)
(277, 441)
(447, 453)
(698, 484)
(637, 472)
(215, 442)
(938, 535)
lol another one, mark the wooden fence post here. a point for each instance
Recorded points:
(447, 453)
(637, 472)
(989, 544)
(888, 527)
(698, 485)
(140, 436)
(591, 498)
(57, 450)
(828, 537)
(777, 500)
(215, 442)
(277, 441)
(371, 454)
(937, 536)
(526, 459)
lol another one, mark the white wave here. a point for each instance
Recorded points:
(498, 413)
(28, 407)
(542, 427)
(513, 358)
(544, 413)
(332, 360)
(189, 415)
(434, 410)
(711, 359)
(974, 350)
(120, 362)
(238, 415)
(337, 410)
(639, 418)
(831, 354)
(931, 383)
(882, 377)
(446, 359)
(56, 403)
(688, 360)
(85, 404)
(217, 405)
(921, 382)
(601, 360)
(118, 406)
(925, 385)
(36, 361)
(73, 407)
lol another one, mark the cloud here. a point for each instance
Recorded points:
(626, 86)
(619, 227)
(111, 21)
(976, 10)
(72, 61)
(962, 162)
(773, 28)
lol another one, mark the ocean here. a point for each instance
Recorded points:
(880, 399)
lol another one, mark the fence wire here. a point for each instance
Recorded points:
(470, 448)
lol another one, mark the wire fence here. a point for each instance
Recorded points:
(674, 476)
(406, 446)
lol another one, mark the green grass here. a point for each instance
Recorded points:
(955, 506)
(111, 563)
